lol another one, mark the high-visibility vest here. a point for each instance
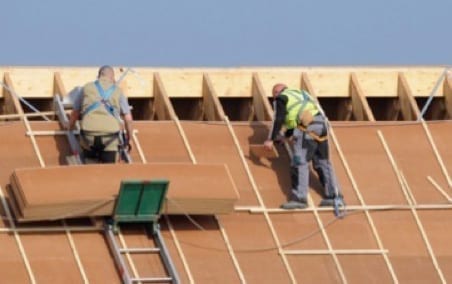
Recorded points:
(297, 103)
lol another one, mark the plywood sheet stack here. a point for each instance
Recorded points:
(91, 190)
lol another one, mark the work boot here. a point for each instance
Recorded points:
(329, 201)
(293, 204)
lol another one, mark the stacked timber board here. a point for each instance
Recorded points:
(91, 190)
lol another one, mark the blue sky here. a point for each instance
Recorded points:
(226, 33)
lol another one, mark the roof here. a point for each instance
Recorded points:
(393, 171)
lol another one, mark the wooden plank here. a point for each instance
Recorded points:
(212, 109)
(447, 89)
(58, 86)
(262, 107)
(329, 83)
(32, 82)
(162, 105)
(183, 83)
(423, 80)
(258, 150)
(194, 189)
(409, 108)
(231, 84)
(12, 104)
(378, 83)
(271, 76)
(361, 109)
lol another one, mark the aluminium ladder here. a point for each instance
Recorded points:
(140, 202)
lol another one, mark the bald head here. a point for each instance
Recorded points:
(277, 88)
(106, 71)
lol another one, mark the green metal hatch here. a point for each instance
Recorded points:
(140, 201)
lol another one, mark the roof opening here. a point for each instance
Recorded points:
(142, 108)
(238, 109)
(385, 108)
(337, 109)
(436, 110)
(188, 108)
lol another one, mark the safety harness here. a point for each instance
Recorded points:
(104, 100)
(303, 101)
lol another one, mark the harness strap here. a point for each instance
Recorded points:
(104, 99)
(314, 135)
(303, 100)
(113, 137)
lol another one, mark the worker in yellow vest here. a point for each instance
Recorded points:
(104, 111)
(305, 125)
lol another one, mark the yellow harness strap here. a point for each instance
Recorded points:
(313, 134)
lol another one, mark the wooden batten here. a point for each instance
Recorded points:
(360, 106)
(11, 103)
(262, 107)
(447, 87)
(162, 104)
(408, 106)
(212, 109)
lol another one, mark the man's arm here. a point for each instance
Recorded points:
(77, 98)
(279, 106)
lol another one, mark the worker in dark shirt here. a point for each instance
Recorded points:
(297, 111)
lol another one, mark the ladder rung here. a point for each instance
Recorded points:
(138, 250)
(152, 279)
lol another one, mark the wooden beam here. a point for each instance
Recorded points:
(212, 109)
(409, 108)
(306, 84)
(262, 107)
(12, 104)
(162, 104)
(58, 86)
(447, 87)
(360, 106)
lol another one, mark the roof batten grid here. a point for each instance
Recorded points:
(222, 230)
(210, 95)
(261, 202)
(68, 233)
(305, 82)
(407, 193)
(161, 92)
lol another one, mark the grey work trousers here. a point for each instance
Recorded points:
(306, 149)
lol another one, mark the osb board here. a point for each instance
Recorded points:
(271, 176)
(259, 151)
(12, 266)
(43, 186)
(53, 148)
(258, 257)
(42, 251)
(161, 142)
(213, 143)
(407, 251)
(212, 247)
(371, 168)
(416, 160)
(16, 150)
(442, 138)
